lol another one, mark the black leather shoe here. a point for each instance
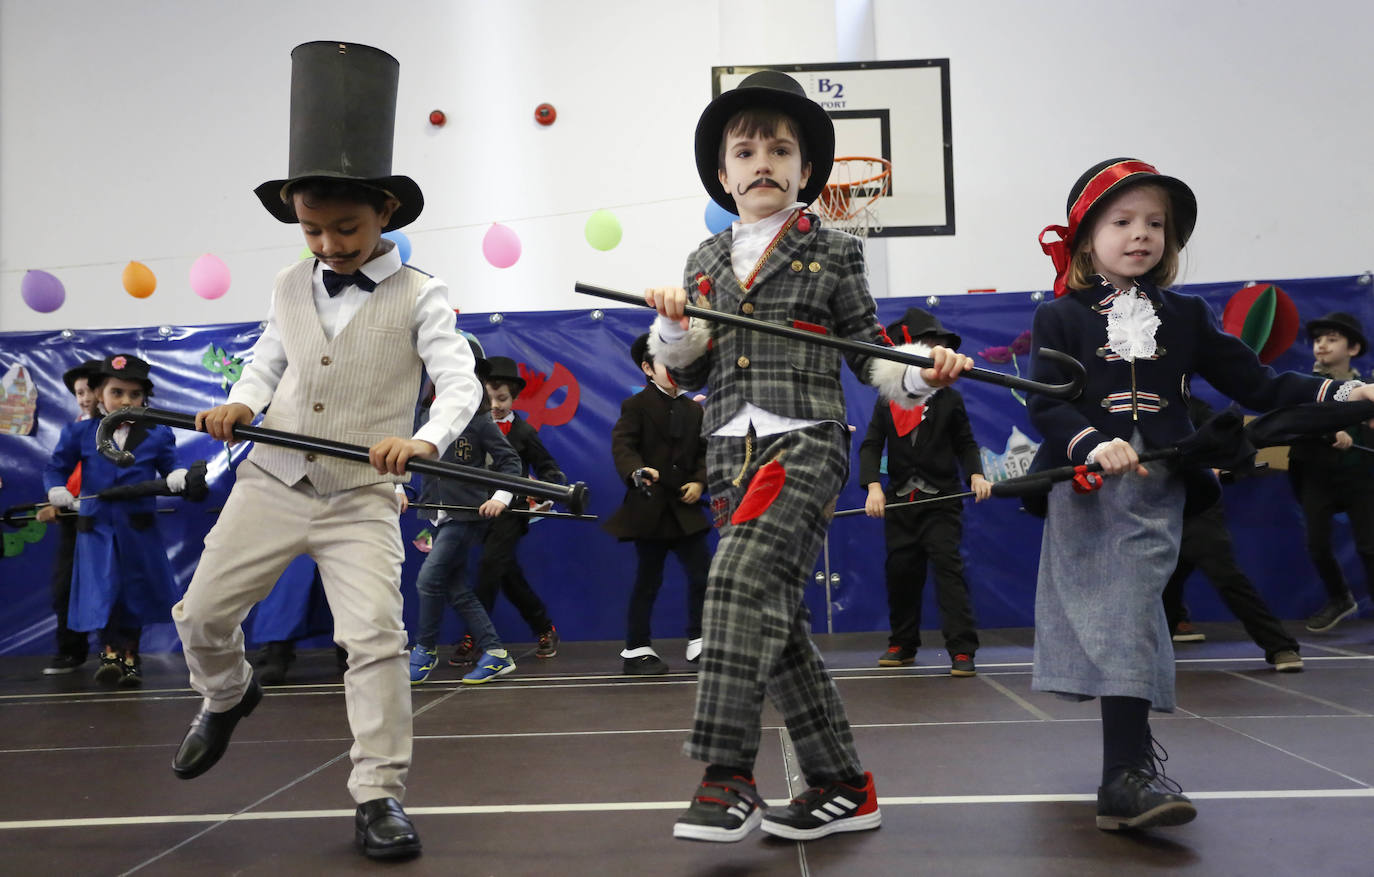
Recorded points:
(382, 830)
(1132, 801)
(209, 735)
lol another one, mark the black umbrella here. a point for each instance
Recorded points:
(526, 513)
(195, 490)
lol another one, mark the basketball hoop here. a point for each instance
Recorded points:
(856, 183)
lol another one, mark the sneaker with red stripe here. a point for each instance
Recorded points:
(722, 810)
(826, 810)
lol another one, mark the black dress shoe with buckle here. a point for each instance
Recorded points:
(382, 830)
(209, 735)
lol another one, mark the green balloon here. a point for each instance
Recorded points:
(603, 230)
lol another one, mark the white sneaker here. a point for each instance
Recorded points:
(693, 650)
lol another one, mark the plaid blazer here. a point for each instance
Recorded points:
(813, 280)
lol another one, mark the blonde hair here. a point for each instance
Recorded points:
(1081, 269)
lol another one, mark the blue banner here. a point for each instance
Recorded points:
(578, 369)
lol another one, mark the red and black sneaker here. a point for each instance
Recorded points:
(722, 810)
(897, 656)
(825, 810)
(465, 653)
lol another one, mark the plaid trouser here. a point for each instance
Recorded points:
(755, 625)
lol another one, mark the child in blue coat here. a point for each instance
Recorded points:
(122, 579)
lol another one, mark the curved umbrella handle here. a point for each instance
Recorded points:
(573, 495)
(1069, 390)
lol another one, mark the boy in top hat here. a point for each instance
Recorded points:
(925, 445)
(72, 646)
(661, 457)
(122, 579)
(499, 570)
(777, 453)
(1331, 475)
(348, 334)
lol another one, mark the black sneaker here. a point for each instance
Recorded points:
(1133, 800)
(722, 810)
(1287, 661)
(897, 656)
(962, 665)
(826, 810)
(1185, 632)
(1331, 614)
(464, 653)
(548, 643)
(644, 665)
(275, 660)
(60, 665)
(111, 669)
(132, 671)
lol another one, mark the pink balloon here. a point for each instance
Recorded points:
(209, 277)
(42, 291)
(501, 246)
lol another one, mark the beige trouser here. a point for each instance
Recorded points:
(355, 539)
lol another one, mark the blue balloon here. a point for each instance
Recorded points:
(402, 243)
(718, 219)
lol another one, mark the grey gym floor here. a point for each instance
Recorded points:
(567, 768)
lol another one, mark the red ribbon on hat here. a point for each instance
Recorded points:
(1105, 179)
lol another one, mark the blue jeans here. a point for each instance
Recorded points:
(443, 579)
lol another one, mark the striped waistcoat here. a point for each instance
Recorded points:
(359, 388)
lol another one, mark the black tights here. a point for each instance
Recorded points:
(1125, 735)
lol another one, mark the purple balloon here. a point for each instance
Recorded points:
(42, 291)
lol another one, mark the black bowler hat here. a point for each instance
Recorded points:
(86, 370)
(775, 91)
(1095, 187)
(918, 322)
(480, 365)
(503, 370)
(126, 367)
(343, 116)
(639, 349)
(1341, 322)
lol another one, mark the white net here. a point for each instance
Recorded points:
(849, 200)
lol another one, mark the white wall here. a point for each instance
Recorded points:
(137, 130)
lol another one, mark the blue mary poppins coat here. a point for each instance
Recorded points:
(120, 559)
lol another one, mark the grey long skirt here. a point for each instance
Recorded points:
(1104, 561)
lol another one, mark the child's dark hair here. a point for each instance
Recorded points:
(498, 382)
(761, 122)
(1081, 267)
(95, 380)
(316, 190)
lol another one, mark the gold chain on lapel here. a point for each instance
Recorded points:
(748, 282)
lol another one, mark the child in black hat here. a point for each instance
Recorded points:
(660, 456)
(1330, 476)
(925, 446)
(72, 645)
(777, 453)
(122, 579)
(1100, 627)
(499, 572)
(348, 336)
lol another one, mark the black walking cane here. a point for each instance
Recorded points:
(1069, 390)
(526, 513)
(574, 495)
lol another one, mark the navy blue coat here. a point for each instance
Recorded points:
(120, 558)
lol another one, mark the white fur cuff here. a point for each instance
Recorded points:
(890, 377)
(679, 354)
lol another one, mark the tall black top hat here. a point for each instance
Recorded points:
(1341, 322)
(772, 90)
(343, 116)
(86, 370)
(126, 367)
(639, 349)
(502, 369)
(918, 322)
(1097, 184)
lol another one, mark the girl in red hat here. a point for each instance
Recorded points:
(1107, 553)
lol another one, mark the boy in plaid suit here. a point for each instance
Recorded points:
(777, 454)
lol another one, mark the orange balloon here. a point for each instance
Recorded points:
(139, 280)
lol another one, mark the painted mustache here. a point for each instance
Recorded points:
(765, 181)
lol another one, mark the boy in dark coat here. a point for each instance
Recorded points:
(661, 457)
(924, 445)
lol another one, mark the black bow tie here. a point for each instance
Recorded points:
(334, 282)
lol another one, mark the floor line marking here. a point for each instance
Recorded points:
(1017, 699)
(1300, 694)
(633, 806)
